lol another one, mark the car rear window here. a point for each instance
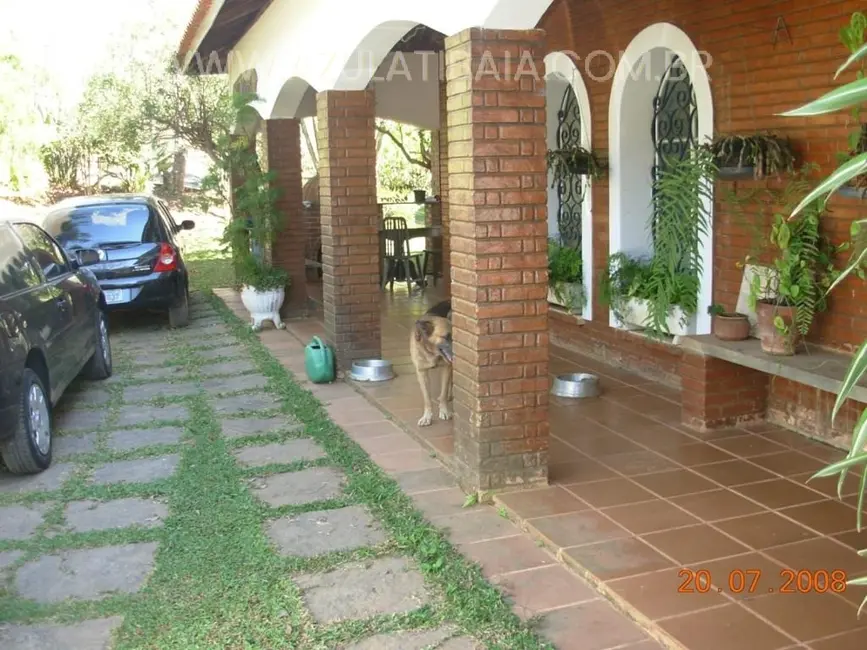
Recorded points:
(102, 225)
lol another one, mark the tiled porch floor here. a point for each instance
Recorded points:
(638, 504)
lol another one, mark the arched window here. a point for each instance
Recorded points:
(571, 188)
(674, 129)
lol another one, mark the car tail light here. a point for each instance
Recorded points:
(167, 260)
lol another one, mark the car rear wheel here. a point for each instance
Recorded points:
(179, 315)
(28, 451)
(100, 365)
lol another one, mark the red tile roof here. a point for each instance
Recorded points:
(193, 26)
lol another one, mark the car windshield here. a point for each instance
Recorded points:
(102, 225)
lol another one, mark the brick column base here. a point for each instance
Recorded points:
(717, 393)
(497, 195)
(283, 146)
(350, 218)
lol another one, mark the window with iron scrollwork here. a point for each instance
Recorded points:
(570, 187)
(675, 122)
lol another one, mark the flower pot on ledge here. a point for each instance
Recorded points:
(776, 341)
(637, 314)
(731, 327)
(263, 306)
(569, 295)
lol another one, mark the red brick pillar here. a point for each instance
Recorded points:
(283, 144)
(716, 393)
(498, 226)
(349, 217)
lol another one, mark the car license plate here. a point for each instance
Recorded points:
(114, 296)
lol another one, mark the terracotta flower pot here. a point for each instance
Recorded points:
(773, 340)
(731, 327)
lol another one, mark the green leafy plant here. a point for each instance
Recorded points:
(252, 272)
(851, 95)
(717, 310)
(565, 275)
(803, 268)
(766, 153)
(573, 161)
(852, 37)
(683, 201)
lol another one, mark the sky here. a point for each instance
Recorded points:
(72, 39)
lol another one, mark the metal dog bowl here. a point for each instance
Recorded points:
(371, 370)
(576, 385)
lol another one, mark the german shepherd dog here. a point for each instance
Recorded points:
(430, 347)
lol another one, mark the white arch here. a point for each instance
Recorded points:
(296, 98)
(630, 148)
(319, 41)
(560, 65)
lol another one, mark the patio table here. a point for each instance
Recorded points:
(412, 233)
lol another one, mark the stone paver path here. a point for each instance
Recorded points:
(185, 448)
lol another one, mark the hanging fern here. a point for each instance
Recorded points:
(683, 200)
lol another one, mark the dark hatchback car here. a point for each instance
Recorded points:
(128, 242)
(53, 327)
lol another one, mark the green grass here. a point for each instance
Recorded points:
(209, 270)
(217, 581)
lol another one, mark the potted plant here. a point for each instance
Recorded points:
(752, 156)
(573, 161)
(565, 281)
(787, 299)
(263, 290)
(627, 288)
(727, 325)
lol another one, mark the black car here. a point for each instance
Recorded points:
(53, 327)
(138, 262)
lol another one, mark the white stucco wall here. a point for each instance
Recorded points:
(334, 44)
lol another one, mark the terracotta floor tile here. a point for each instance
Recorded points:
(529, 504)
(613, 492)
(853, 539)
(372, 430)
(850, 641)
(675, 483)
(444, 502)
(506, 555)
(470, 527)
(617, 558)
(825, 453)
(778, 493)
(749, 445)
(425, 480)
(764, 530)
(716, 505)
(742, 577)
(785, 437)
(405, 461)
(808, 617)
(537, 590)
(649, 517)
(605, 445)
(759, 426)
(734, 472)
(827, 485)
(826, 517)
(716, 434)
(820, 554)
(788, 463)
(640, 462)
(699, 453)
(587, 527)
(725, 628)
(444, 445)
(661, 438)
(694, 544)
(595, 625)
(657, 595)
(580, 471)
(389, 444)
(563, 451)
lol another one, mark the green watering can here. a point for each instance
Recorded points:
(319, 362)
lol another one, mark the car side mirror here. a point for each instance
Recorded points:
(73, 264)
(87, 257)
(186, 224)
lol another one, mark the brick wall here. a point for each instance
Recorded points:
(809, 410)
(283, 156)
(751, 81)
(349, 218)
(497, 213)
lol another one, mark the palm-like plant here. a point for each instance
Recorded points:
(850, 95)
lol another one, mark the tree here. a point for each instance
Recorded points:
(403, 160)
(412, 142)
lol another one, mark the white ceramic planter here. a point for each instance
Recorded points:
(637, 313)
(569, 292)
(264, 306)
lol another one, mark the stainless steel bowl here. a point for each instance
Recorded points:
(371, 370)
(576, 385)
